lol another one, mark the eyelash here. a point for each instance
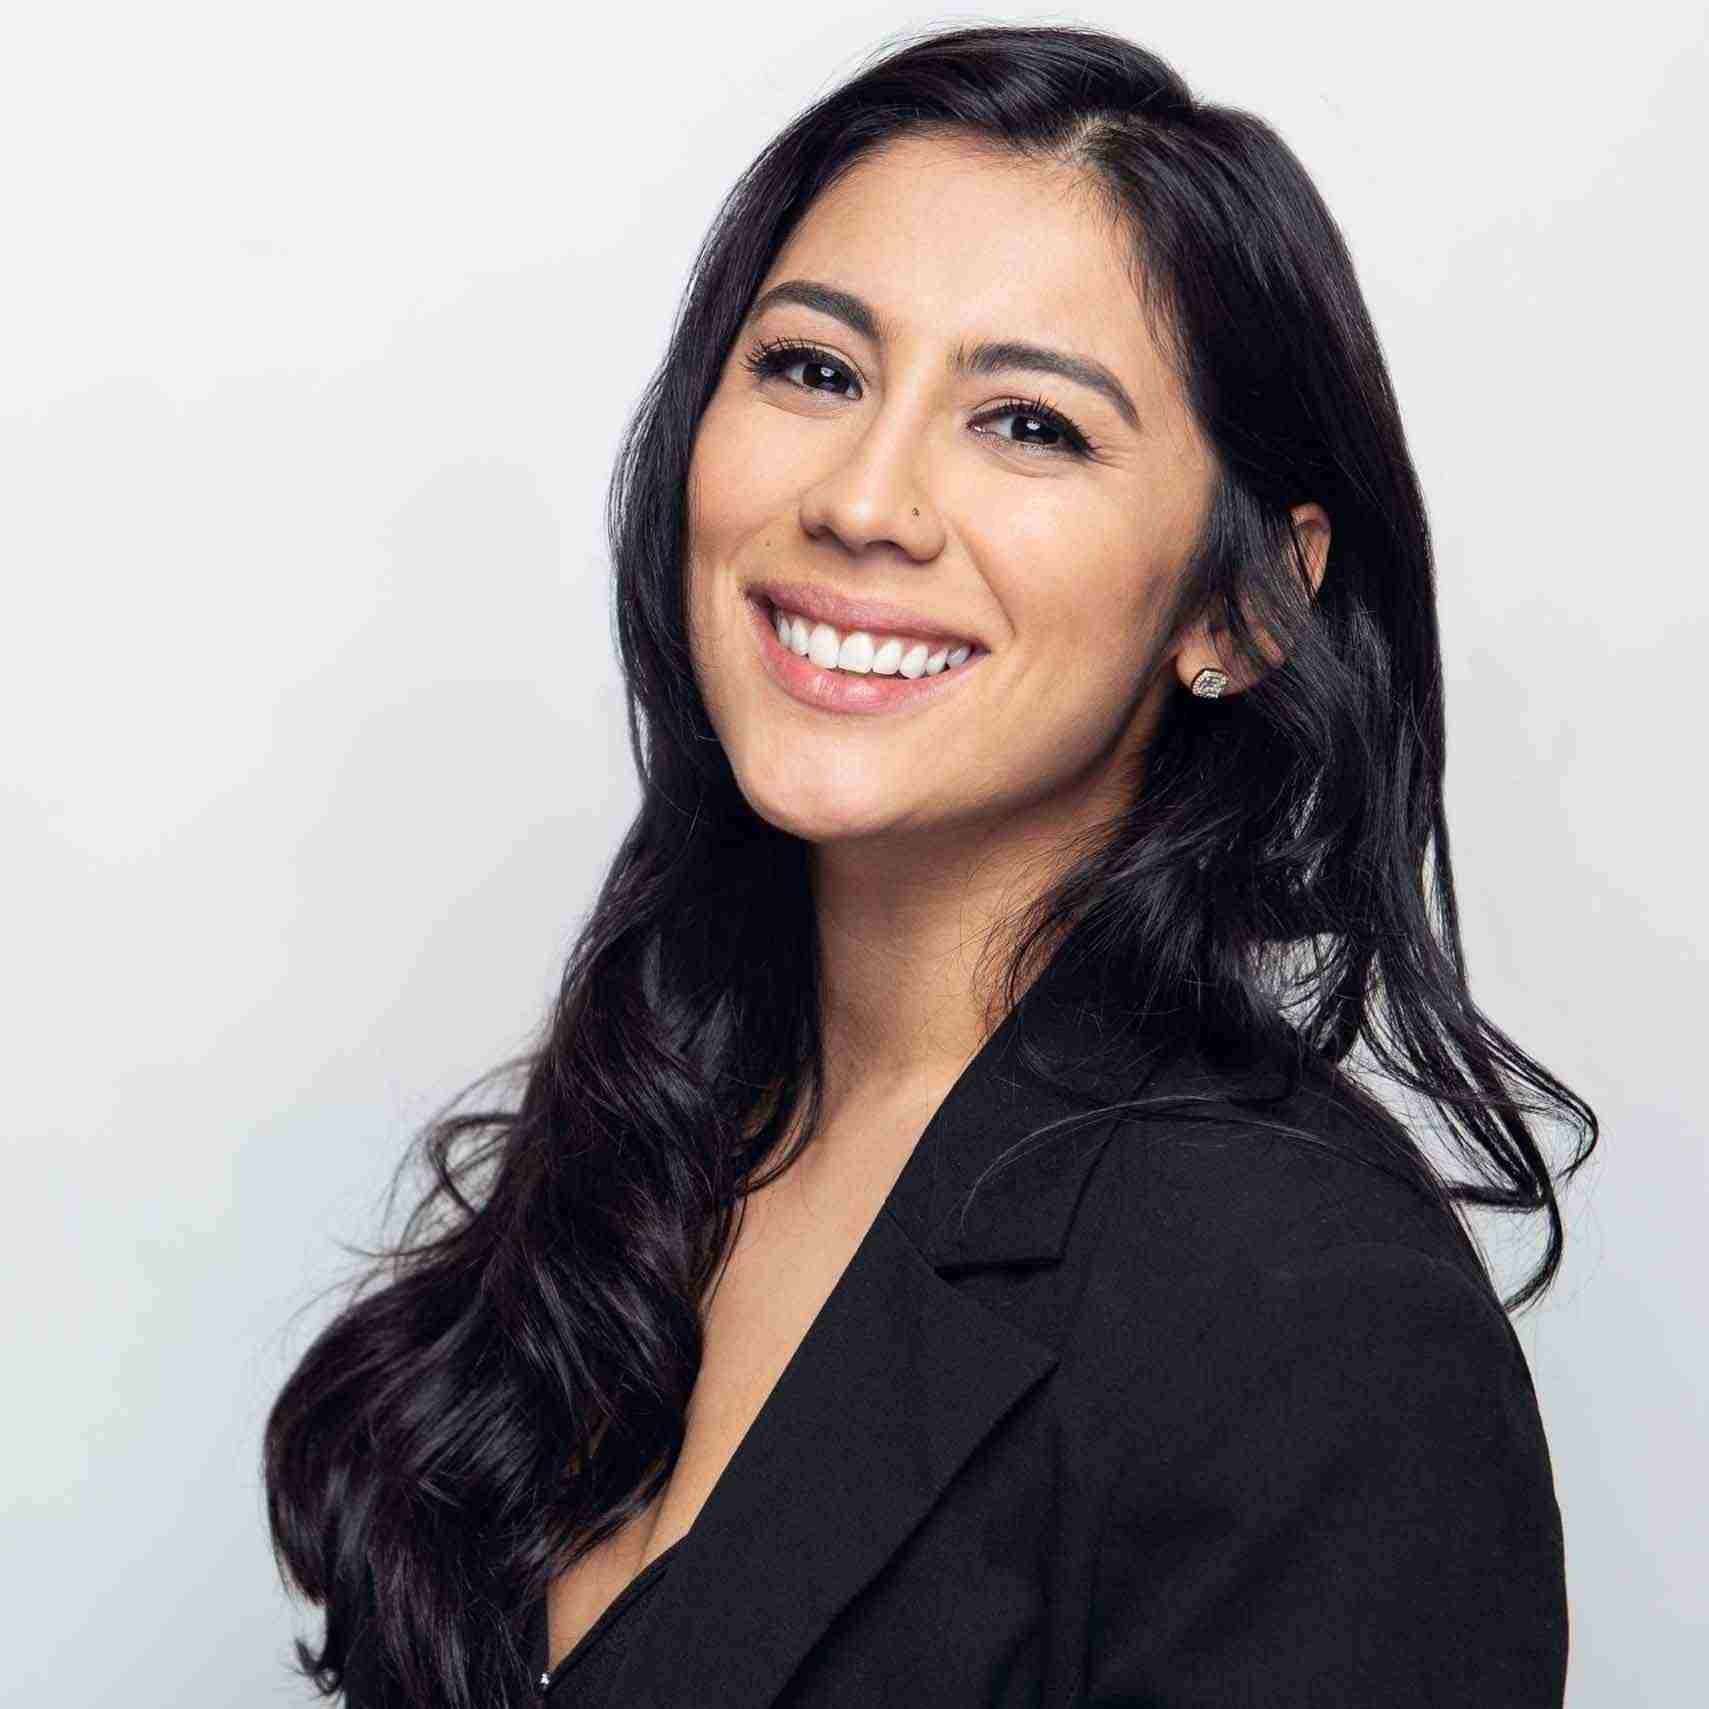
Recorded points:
(771, 356)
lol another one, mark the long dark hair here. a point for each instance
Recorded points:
(1281, 880)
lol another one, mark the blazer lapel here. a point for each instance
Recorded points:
(899, 1378)
(895, 1384)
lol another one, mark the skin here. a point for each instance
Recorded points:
(896, 480)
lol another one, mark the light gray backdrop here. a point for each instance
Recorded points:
(320, 325)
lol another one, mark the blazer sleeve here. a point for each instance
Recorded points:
(1357, 1506)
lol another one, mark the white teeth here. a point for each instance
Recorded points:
(895, 655)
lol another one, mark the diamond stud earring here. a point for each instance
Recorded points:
(1208, 684)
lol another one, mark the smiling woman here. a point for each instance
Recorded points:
(943, 1250)
(864, 446)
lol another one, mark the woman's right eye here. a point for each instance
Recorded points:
(777, 356)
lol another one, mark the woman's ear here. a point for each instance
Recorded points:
(1201, 658)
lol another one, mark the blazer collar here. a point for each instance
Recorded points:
(999, 1170)
(903, 1373)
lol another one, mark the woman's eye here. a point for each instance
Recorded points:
(819, 367)
(1042, 430)
(1045, 431)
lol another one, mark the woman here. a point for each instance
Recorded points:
(940, 1253)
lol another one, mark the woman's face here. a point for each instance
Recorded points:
(876, 466)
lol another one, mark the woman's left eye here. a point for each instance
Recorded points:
(1036, 412)
(774, 358)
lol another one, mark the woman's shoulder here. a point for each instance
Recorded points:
(1210, 1185)
(1234, 1232)
(1245, 1251)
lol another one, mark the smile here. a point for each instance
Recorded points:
(822, 667)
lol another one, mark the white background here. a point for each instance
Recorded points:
(320, 324)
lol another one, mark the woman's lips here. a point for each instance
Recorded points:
(844, 691)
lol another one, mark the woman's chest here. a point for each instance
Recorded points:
(794, 1241)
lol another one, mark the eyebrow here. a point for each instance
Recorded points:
(992, 356)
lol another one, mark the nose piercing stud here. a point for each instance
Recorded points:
(1208, 684)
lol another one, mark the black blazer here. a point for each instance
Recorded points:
(1174, 1412)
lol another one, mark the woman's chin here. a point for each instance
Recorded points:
(817, 810)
